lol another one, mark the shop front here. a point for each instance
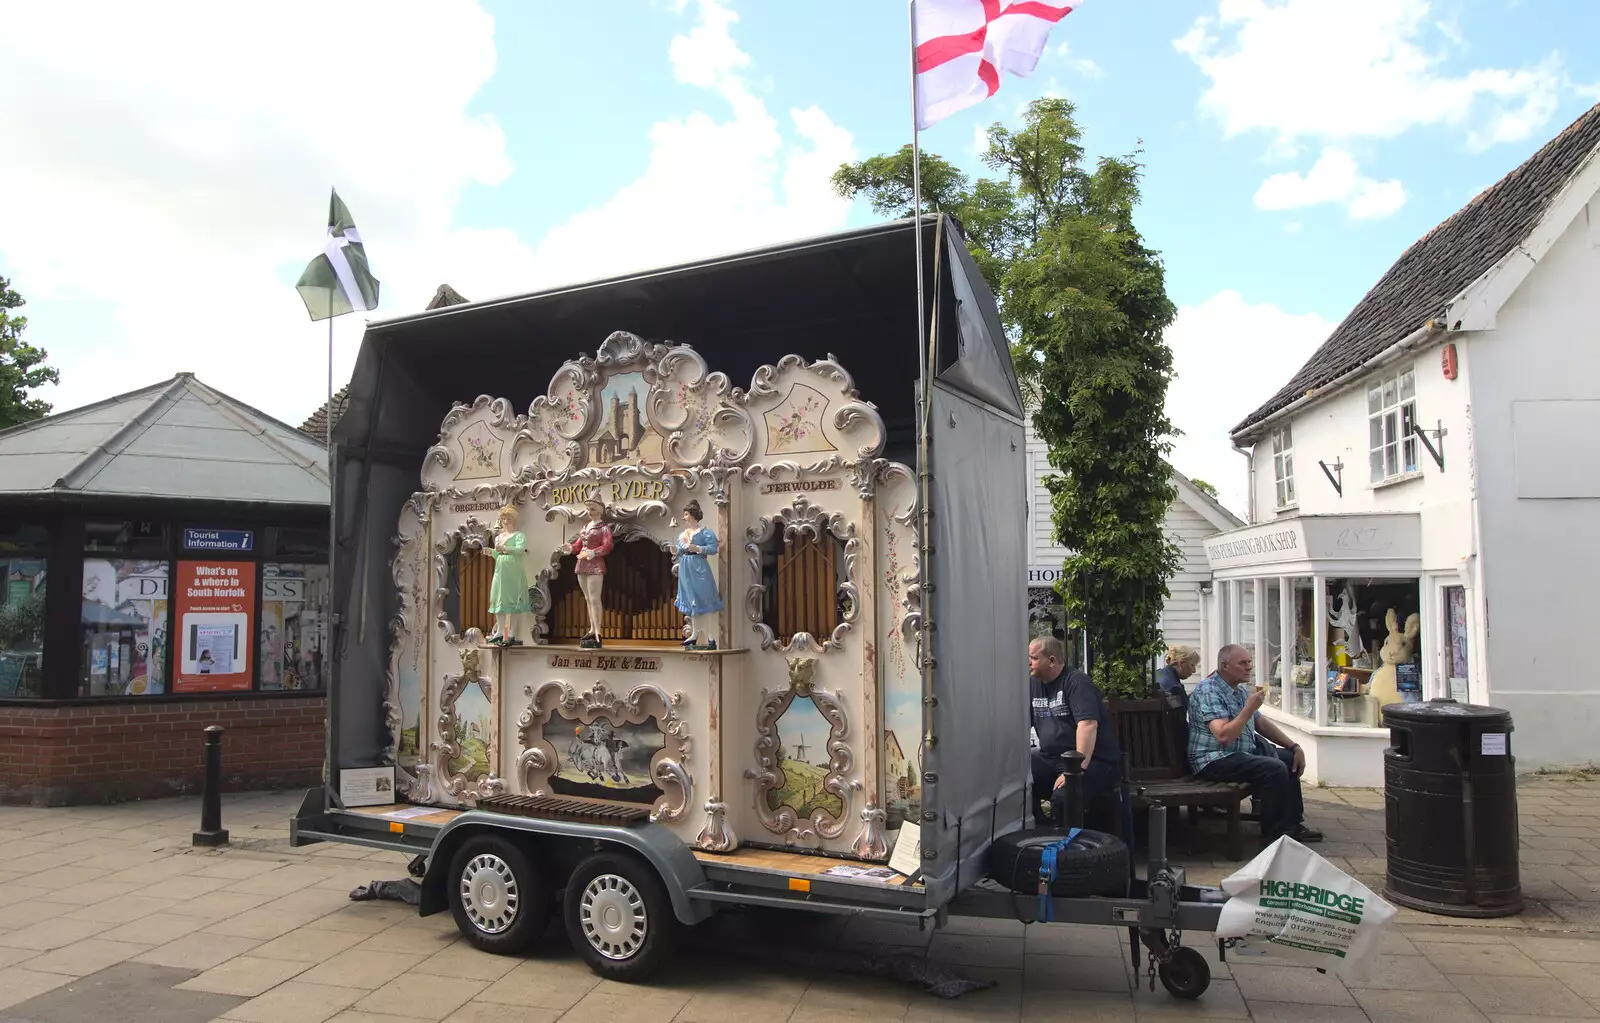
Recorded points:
(149, 594)
(1332, 609)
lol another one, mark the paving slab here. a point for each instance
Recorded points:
(125, 993)
(270, 931)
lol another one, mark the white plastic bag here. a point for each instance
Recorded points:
(1305, 910)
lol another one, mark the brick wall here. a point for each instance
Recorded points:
(95, 753)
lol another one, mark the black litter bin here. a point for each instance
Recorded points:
(1450, 797)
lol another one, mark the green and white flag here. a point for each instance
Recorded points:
(338, 281)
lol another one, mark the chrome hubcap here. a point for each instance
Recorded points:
(489, 893)
(612, 913)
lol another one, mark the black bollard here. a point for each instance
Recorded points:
(211, 832)
(1072, 789)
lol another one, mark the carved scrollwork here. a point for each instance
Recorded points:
(804, 519)
(453, 784)
(833, 463)
(443, 452)
(858, 414)
(873, 843)
(471, 535)
(763, 384)
(768, 775)
(691, 407)
(622, 349)
(409, 571)
(669, 767)
(716, 836)
(715, 476)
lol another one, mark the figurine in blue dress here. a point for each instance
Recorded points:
(697, 587)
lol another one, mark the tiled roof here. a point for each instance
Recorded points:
(175, 439)
(318, 423)
(326, 417)
(1434, 270)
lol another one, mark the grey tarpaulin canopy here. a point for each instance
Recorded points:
(852, 295)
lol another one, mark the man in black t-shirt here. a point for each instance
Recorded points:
(1068, 713)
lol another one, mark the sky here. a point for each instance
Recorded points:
(165, 168)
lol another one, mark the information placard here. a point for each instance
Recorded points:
(216, 626)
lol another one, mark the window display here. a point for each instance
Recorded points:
(21, 627)
(1371, 631)
(293, 633)
(124, 626)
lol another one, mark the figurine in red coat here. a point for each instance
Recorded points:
(591, 546)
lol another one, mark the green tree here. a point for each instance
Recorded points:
(1084, 302)
(1204, 487)
(22, 366)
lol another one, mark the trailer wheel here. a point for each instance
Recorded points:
(1186, 974)
(619, 917)
(498, 895)
(1094, 864)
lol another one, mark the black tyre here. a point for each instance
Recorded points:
(619, 917)
(1094, 864)
(1186, 974)
(498, 895)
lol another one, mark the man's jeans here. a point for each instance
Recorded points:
(1099, 791)
(1272, 783)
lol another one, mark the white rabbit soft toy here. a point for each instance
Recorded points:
(1397, 647)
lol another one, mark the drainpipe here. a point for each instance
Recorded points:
(1250, 475)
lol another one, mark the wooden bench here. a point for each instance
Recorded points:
(1154, 735)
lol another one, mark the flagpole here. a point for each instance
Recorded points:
(916, 209)
(929, 792)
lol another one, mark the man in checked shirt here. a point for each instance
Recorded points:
(1227, 742)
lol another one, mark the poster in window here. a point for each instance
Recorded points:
(216, 603)
(291, 631)
(124, 624)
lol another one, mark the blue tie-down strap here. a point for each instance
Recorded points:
(1047, 875)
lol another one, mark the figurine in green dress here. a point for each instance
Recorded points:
(508, 592)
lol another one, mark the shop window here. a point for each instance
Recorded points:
(293, 626)
(1247, 617)
(1454, 616)
(23, 539)
(1391, 409)
(638, 596)
(1047, 616)
(802, 578)
(1272, 606)
(1283, 466)
(298, 544)
(124, 627)
(139, 539)
(21, 626)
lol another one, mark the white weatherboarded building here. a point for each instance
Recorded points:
(1437, 460)
(1192, 517)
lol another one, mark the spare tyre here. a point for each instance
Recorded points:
(1094, 864)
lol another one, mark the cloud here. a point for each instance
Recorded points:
(709, 186)
(1082, 65)
(1230, 356)
(179, 212)
(1356, 69)
(173, 170)
(1334, 178)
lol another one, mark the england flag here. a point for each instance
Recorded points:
(963, 45)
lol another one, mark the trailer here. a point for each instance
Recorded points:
(838, 724)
